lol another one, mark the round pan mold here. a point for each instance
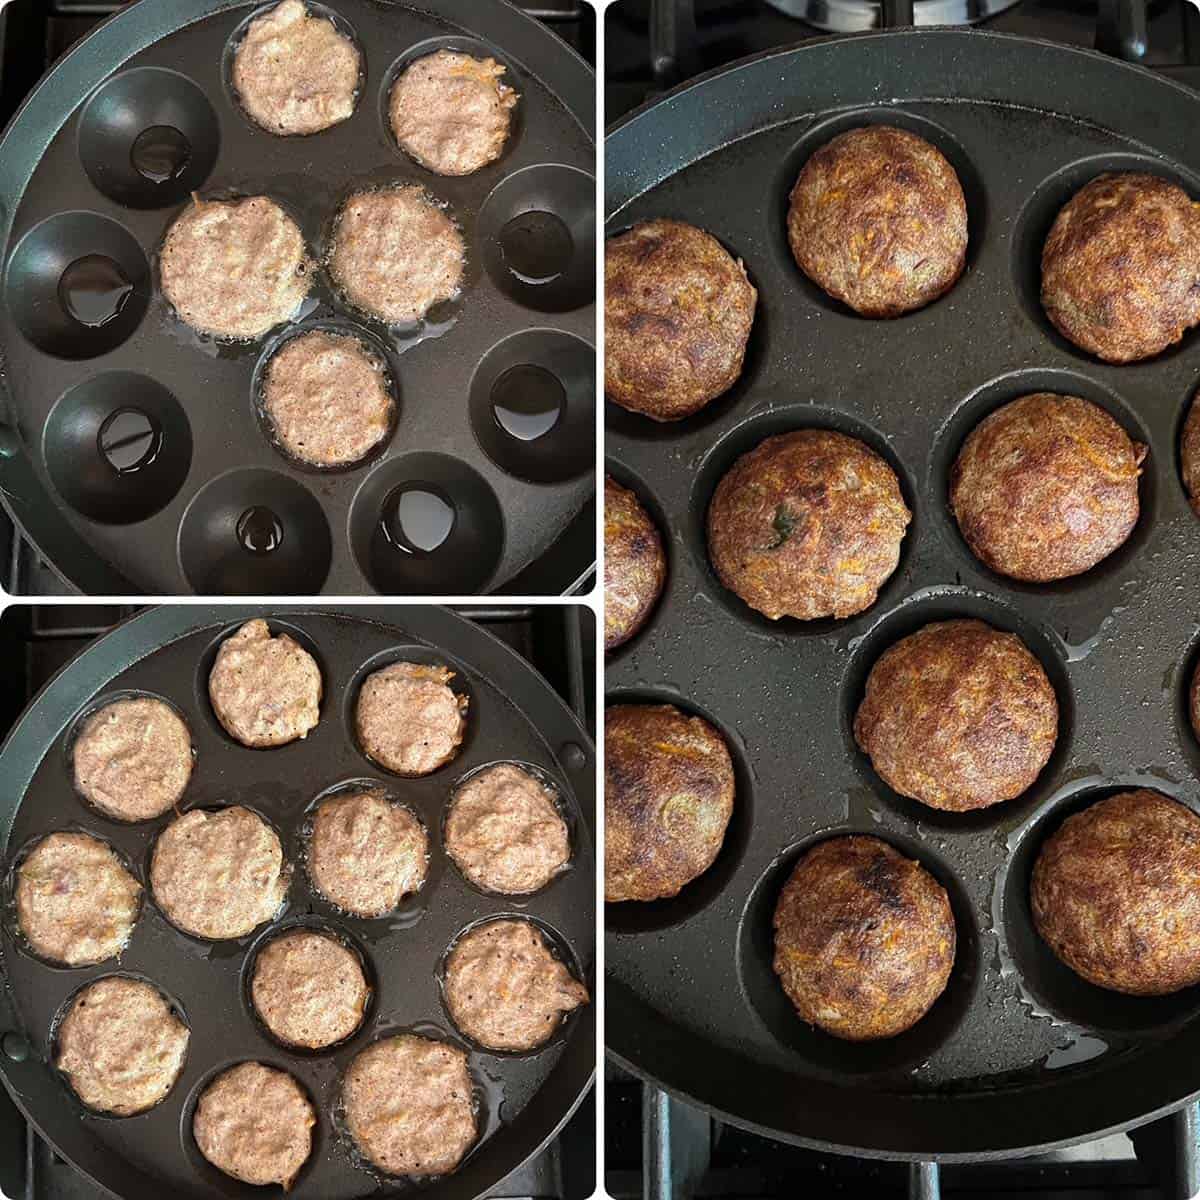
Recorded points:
(82, 220)
(168, 652)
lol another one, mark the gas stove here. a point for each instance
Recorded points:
(37, 641)
(651, 45)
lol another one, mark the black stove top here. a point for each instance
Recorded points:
(36, 641)
(660, 1148)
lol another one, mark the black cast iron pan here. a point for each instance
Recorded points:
(168, 652)
(1018, 1054)
(132, 451)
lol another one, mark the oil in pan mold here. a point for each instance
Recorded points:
(160, 153)
(93, 289)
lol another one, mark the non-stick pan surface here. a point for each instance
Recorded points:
(132, 446)
(1018, 1053)
(168, 652)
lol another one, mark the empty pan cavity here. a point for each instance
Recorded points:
(118, 447)
(537, 237)
(427, 523)
(78, 285)
(533, 405)
(148, 138)
(255, 532)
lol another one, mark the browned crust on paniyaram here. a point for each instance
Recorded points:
(1116, 893)
(1046, 487)
(864, 939)
(958, 715)
(1189, 454)
(677, 314)
(1121, 267)
(878, 220)
(668, 797)
(1194, 700)
(807, 525)
(635, 566)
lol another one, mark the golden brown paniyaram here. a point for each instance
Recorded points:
(1046, 487)
(1194, 700)
(1114, 893)
(635, 567)
(677, 315)
(1121, 266)
(864, 939)
(958, 715)
(1189, 454)
(808, 524)
(668, 796)
(878, 220)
